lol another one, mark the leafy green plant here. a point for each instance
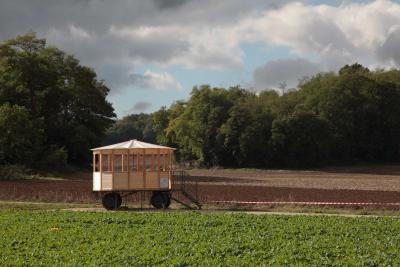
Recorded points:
(186, 239)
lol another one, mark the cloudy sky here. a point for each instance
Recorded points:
(151, 53)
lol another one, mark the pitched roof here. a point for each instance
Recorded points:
(131, 144)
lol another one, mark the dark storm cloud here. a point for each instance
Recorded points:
(139, 106)
(288, 71)
(111, 36)
(170, 3)
(19, 16)
(94, 48)
(116, 36)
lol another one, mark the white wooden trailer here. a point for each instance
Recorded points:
(133, 166)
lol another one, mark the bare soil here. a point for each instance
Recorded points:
(372, 184)
(372, 178)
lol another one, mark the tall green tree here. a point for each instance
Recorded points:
(247, 133)
(135, 126)
(301, 139)
(20, 138)
(197, 128)
(64, 98)
(363, 109)
(160, 123)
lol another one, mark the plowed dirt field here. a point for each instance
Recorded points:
(373, 184)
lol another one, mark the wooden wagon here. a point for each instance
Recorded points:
(133, 166)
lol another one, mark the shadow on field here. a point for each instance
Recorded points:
(374, 170)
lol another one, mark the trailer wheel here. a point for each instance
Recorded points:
(160, 200)
(167, 200)
(112, 201)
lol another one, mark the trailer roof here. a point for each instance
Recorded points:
(131, 144)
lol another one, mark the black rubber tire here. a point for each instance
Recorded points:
(157, 200)
(160, 200)
(112, 201)
(167, 200)
(119, 200)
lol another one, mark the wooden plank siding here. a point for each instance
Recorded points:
(141, 172)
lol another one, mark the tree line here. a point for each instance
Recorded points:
(53, 110)
(345, 117)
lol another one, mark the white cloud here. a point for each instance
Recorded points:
(335, 35)
(389, 50)
(215, 48)
(368, 33)
(194, 34)
(154, 80)
(115, 37)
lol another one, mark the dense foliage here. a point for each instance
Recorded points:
(138, 126)
(192, 239)
(52, 109)
(350, 116)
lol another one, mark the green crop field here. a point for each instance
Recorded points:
(51, 238)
